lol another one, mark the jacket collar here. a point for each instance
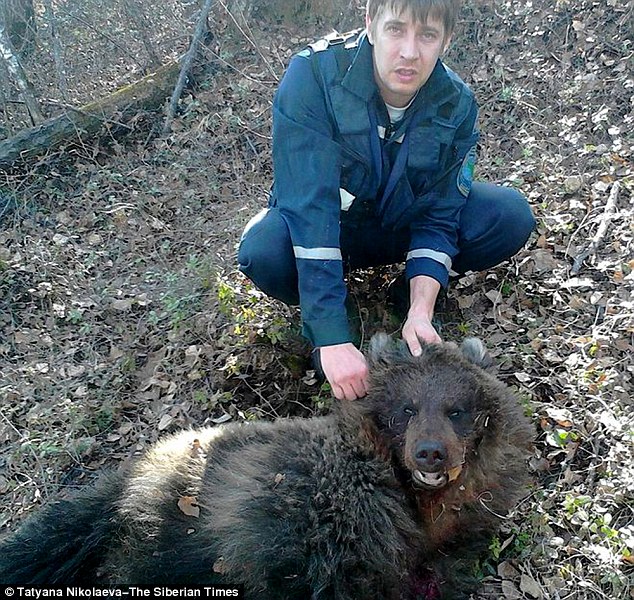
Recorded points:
(439, 89)
(359, 78)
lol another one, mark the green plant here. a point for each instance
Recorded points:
(561, 437)
(464, 328)
(323, 399)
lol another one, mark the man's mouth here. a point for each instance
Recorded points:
(406, 74)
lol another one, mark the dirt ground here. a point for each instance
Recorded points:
(122, 315)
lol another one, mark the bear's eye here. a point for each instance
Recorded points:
(455, 414)
(410, 411)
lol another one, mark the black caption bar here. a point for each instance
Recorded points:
(42, 592)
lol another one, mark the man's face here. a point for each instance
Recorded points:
(405, 53)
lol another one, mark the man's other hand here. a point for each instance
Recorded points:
(423, 292)
(346, 370)
(419, 329)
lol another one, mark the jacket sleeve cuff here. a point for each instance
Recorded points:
(429, 267)
(327, 332)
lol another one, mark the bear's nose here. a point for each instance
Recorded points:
(430, 454)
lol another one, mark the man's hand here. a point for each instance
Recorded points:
(419, 329)
(423, 292)
(346, 370)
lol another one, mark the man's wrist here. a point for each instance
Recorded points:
(423, 293)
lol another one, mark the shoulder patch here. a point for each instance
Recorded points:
(465, 174)
(319, 45)
(350, 39)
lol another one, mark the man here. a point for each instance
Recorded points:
(373, 153)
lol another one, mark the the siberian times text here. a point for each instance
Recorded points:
(16, 592)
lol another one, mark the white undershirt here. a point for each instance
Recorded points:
(396, 114)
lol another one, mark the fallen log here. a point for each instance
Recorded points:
(148, 93)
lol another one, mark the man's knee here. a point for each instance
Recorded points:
(266, 257)
(493, 210)
(495, 224)
(517, 215)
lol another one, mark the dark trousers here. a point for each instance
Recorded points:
(494, 224)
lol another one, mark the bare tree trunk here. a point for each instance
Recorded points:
(19, 19)
(5, 85)
(19, 76)
(188, 61)
(51, 20)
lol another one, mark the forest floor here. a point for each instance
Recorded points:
(123, 317)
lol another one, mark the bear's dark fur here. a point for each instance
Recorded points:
(389, 498)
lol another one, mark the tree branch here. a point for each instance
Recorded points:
(610, 207)
(188, 61)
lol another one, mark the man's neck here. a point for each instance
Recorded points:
(397, 112)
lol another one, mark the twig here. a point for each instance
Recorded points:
(610, 207)
(188, 60)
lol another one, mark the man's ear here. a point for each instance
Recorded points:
(368, 27)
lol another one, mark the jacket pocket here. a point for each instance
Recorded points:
(428, 145)
(355, 177)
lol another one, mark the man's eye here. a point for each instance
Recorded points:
(428, 35)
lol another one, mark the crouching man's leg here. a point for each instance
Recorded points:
(494, 225)
(266, 256)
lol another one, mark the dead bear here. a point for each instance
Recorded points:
(390, 497)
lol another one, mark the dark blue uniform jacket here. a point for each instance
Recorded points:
(336, 157)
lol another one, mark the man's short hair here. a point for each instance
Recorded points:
(445, 11)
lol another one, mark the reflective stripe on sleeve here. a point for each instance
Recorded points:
(441, 257)
(317, 253)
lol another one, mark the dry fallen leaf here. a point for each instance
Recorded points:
(124, 304)
(165, 422)
(529, 586)
(561, 416)
(454, 473)
(510, 591)
(507, 571)
(188, 506)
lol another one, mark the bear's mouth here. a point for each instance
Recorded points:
(429, 480)
(435, 480)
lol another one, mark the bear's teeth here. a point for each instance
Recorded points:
(430, 479)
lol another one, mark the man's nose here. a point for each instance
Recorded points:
(409, 48)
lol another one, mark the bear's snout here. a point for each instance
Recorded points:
(430, 455)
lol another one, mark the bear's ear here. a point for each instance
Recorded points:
(384, 350)
(473, 349)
